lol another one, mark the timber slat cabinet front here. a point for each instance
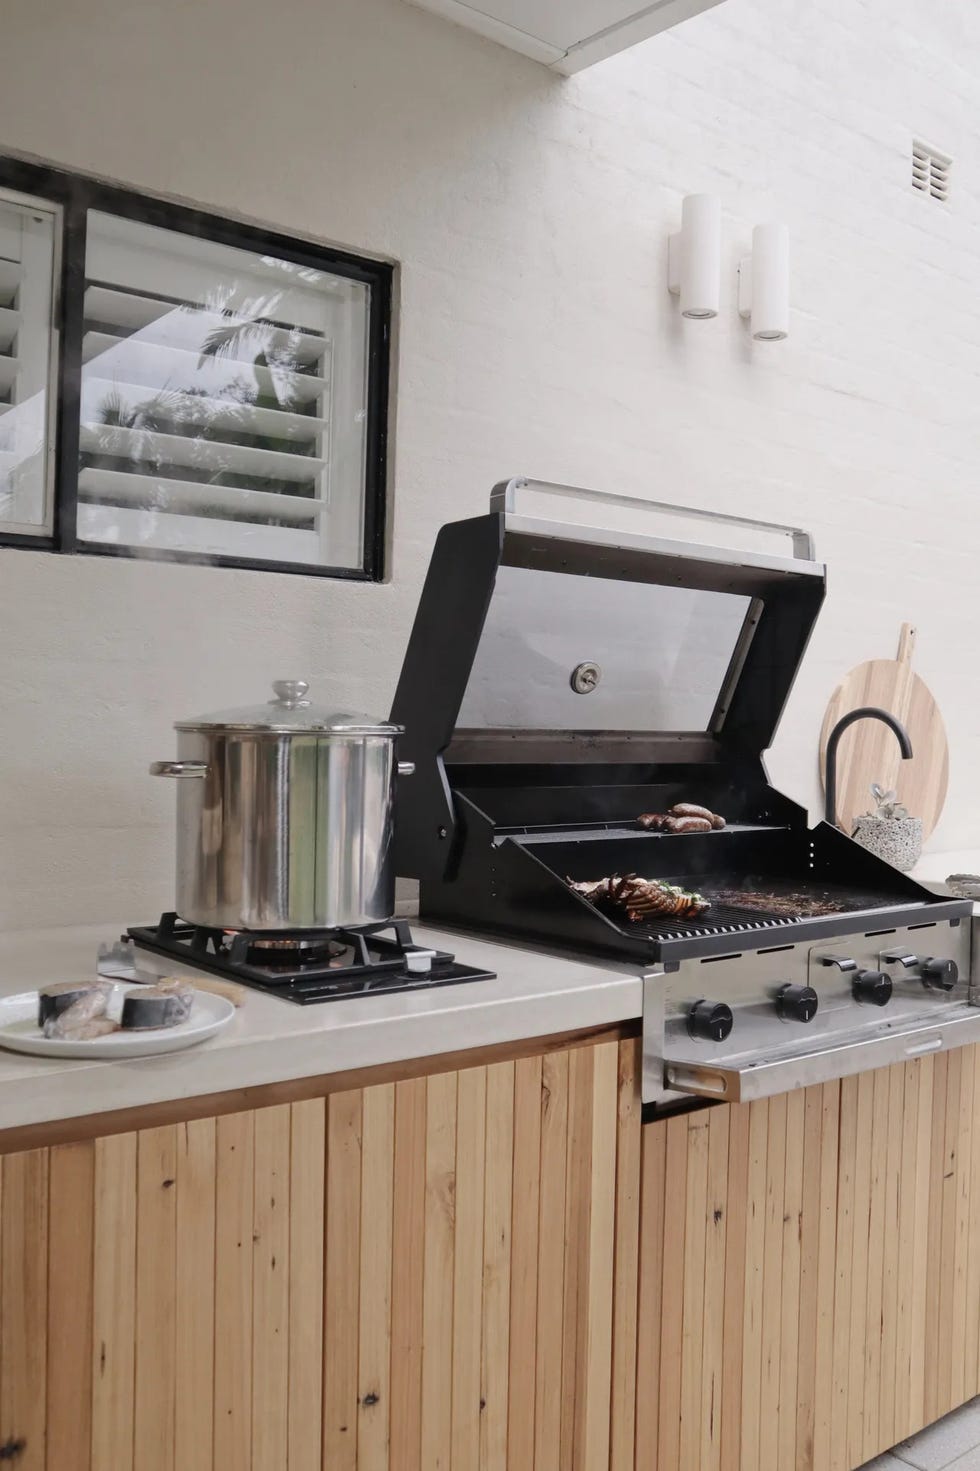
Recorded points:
(495, 1268)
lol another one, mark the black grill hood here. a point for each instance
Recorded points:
(696, 646)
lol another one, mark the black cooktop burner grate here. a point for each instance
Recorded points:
(307, 966)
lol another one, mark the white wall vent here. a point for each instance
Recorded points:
(930, 169)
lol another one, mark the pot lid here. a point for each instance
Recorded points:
(291, 711)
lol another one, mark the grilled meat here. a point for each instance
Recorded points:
(641, 898)
(691, 809)
(683, 817)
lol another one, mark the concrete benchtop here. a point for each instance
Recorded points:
(533, 994)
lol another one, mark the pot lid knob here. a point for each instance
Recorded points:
(290, 693)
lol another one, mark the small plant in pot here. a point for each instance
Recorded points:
(889, 831)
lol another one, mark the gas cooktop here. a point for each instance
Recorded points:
(308, 966)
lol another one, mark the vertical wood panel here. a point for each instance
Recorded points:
(156, 1298)
(734, 1304)
(716, 1225)
(826, 1259)
(471, 1125)
(971, 1353)
(577, 1226)
(958, 1389)
(692, 1307)
(947, 1248)
(888, 1432)
(937, 1168)
(341, 1284)
(23, 1322)
(905, 1272)
(875, 1271)
(497, 1208)
(270, 1286)
(551, 1262)
(809, 1262)
(593, 1447)
(234, 1151)
(925, 1070)
(789, 1325)
(114, 1302)
(408, 1255)
(672, 1292)
(653, 1184)
(843, 1269)
(374, 1346)
(307, 1162)
(437, 1319)
(859, 1268)
(772, 1282)
(71, 1190)
(626, 1259)
(755, 1253)
(524, 1262)
(194, 1324)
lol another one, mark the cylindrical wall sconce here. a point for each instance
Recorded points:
(694, 257)
(763, 283)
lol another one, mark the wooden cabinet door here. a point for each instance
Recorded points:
(418, 1275)
(809, 1273)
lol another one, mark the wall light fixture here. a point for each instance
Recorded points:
(763, 283)
(694, 257)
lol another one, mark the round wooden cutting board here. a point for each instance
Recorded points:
(869, 752)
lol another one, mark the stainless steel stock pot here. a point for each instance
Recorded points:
(284, 816)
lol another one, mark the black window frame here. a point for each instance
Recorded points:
(77, 194)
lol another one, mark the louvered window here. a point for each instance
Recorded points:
(223, 400)
(28, 362)
(180, 386)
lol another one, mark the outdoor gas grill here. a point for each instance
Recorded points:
(560, 681)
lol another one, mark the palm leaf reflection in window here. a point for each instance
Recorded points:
(196, 414)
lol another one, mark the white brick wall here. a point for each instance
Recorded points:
(529, 215)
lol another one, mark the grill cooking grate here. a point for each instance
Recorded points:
(726, 918)
(720, 919)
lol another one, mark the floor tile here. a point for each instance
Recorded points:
(969, 1462)
(946, 1443)
(888, 1462)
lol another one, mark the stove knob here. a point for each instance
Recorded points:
(940, 975)
(872, 988)
(797, 1003)
(710, 1021)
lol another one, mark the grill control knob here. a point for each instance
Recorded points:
(872, 987)
(940, 975)
(710, 1021)
(797, 1003)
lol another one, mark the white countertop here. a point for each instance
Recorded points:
(533, 994)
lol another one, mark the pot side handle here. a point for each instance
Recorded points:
(179, 768)
(406, 768)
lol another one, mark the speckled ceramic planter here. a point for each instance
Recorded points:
(896, 839)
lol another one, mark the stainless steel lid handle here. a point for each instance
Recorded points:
(180, 769)
(290, 693)
(503, 497)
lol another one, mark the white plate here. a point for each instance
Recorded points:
(19, 1031)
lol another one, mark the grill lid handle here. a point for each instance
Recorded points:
(503, 497)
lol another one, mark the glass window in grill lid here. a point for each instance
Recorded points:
(223, 400)
(28, 361)
(662, 654)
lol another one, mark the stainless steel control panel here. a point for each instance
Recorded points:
(788, 1013)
